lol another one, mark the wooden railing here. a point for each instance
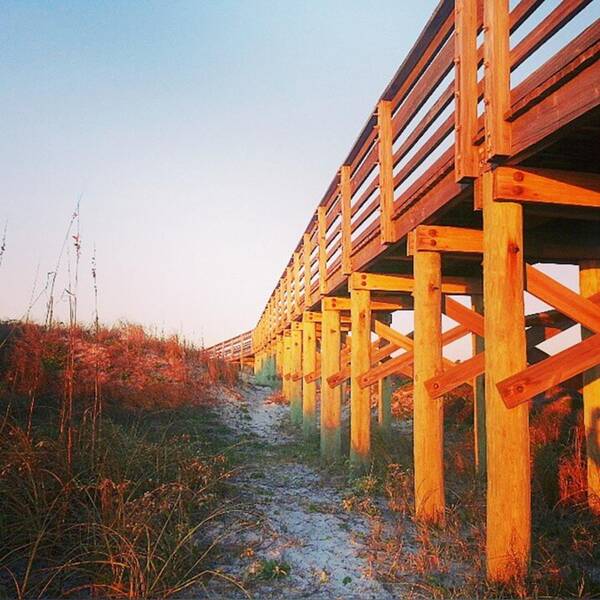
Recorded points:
(427, 133)
(234, 349)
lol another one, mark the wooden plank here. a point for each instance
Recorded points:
(393, 336)
(345, 372)
(360, 402)
(346, 236)
(547, 186)
(386, 175)
(545, 29)
(428, 415)
(521, 387)
(400, 364)
(465, 113)
(573, 97)
(462, 372)
(442, 238)
(496, 79)
(465, 316)
(589, 284)
(309, 389)
(403, 363)
(331, 396)
(568, 302)
(508, 532)
(576, 56)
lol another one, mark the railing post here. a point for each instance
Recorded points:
(497, 79)
(346, 224)
(307, 251)
(322, 249)
(386, 175)
(508, 468)
(466, 157)
(296, 278)
(288, 295)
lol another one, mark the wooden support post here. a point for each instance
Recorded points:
(331, 396)
(287, 364)
(428, 420)
(384, 386)
(360, 361)
(279, 355)
(589, 283)
(508, 469)
(384, 405)
(479, 397)
(309, 390)
(296, 369)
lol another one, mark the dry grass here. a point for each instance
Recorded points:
(126, 504)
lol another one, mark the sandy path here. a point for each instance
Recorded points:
(302, 521)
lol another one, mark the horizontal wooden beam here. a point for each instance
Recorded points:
(378, 303)
(548, 186)
(317, 317)
(445, 239)
(543, 245)
(546, 374)
(404, 283)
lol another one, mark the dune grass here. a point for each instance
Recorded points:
(123, 494)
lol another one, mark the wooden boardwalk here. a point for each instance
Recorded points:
(458, 184)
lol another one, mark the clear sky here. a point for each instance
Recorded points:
(200, 137)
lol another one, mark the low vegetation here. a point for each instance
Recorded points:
(113, 469)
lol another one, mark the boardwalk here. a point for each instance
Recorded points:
(458, 184)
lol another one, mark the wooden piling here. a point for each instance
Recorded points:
(331, 397)
(360, 362)
(286, 367)
(384, 405)
(479, 437)
(508, 469)
(295, 385)
(428, 421)
(589, 284)
(309, 390)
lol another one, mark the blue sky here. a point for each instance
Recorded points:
(200, 137)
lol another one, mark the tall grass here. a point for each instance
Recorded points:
(125, 504)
